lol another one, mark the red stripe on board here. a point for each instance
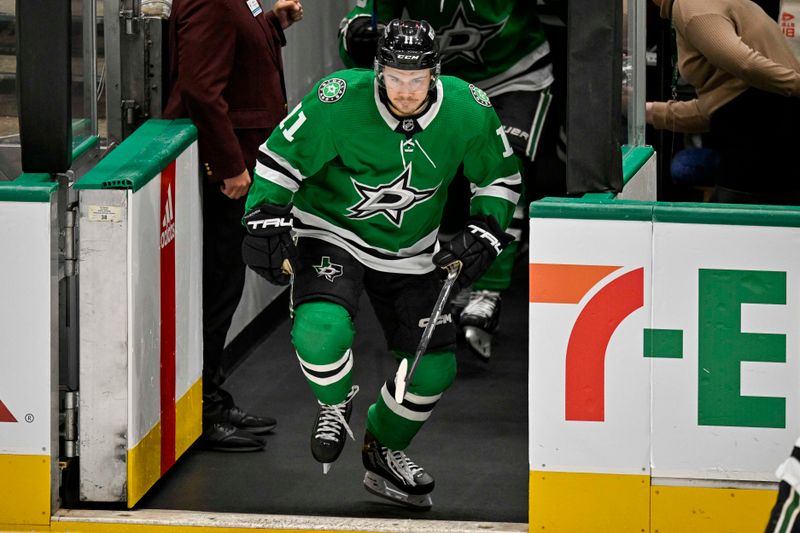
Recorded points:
(167, 317)
(586, 350)
(5, 414)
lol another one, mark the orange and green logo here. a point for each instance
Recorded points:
(721, 350)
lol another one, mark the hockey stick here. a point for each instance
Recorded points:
(404, 375)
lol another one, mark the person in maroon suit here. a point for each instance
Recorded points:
(226, 72)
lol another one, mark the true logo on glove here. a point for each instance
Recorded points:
(271, 223)
(487, 236)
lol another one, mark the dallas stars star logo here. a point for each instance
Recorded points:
(328, 270)
(391, 201)
(464, 39)
(332, 90)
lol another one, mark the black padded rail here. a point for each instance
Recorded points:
(44, 74)
(594, 96)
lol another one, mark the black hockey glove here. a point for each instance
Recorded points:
(476, 246)
(362, 41)
(269, 242)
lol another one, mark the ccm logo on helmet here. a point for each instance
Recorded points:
(412, 57)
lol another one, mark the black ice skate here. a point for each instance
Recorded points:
(480, 319)
(330, 427)
(458, 303)
(392, 475)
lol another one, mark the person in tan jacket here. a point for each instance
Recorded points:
(747, 82)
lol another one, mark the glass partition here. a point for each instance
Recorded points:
(633, 71)
(9, 127)
(84, 102)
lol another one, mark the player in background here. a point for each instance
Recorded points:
(360, 170)
(500, 46)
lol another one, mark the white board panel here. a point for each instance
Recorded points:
(617, 442)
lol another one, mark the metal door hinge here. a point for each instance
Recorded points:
(69, 424)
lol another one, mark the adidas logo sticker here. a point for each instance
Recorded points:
(168, 220)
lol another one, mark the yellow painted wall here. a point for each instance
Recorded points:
(588, 503)
(25, 489)
(710, 510)
(615, 503)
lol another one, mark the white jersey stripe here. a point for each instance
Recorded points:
(330, 380)
(326, 368)
(418, 264)
(264, 149)
(422, 400)
(499, 188)
(264, 172)
(498, 192)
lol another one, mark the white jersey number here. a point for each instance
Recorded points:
(507, 147)
(301, 118)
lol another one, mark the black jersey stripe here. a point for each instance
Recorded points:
(298, 224)
(513, 188)
(327, 373)
(271, 164)
(408, 404)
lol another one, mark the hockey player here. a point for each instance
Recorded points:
(360, 170)
(783, 517)
(501, 47)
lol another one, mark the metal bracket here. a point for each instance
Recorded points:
(130, 21)
(130, 111)
(69, 244)
(69, 424)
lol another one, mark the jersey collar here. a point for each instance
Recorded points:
(423, 120)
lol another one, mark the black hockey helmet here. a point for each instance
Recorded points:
(408, 45)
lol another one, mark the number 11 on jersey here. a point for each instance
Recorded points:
(301, 117)
(506, 145)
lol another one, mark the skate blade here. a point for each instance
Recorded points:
(479, 341)
(380, 487)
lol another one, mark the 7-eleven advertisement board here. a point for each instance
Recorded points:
(141, 331)
(28, 352)
(664, 353)
(726, 384)
(589, 384)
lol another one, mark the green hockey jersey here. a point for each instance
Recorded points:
(376, 185)
(499, 45)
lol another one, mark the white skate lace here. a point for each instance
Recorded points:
(401, 465)
(482, 303)
(331, 418)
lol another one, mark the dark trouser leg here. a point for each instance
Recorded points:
(748, 134)
(223, 282)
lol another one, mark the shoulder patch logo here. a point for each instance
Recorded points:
(480, 96)
(332, 90)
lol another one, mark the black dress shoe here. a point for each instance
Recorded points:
(257, 425)
(223, 437)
